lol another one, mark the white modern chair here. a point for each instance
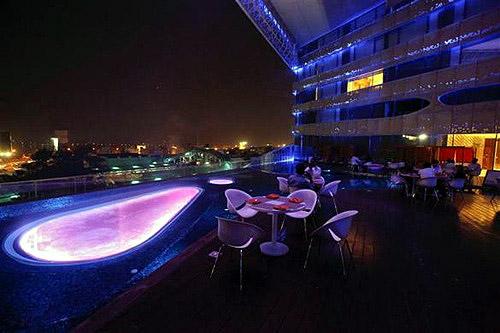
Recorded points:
(310, 198)
(283, 185)
(398, 181)
(456, 185)
(393, 167)
(236, 203)
(237, 235)
(429, 184)
(337, 228)
(319, 182)
(330, 190)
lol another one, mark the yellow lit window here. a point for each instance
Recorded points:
(374, 79)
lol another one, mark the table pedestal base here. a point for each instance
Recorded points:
(274, 249)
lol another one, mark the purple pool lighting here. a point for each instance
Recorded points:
(104, 231)
(220, 181)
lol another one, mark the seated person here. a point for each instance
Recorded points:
(314, 173)
(427, 171)
(356, 163)
(436, 166)
(474, 168)
(449, 167)
(460, 173)
(298, 180)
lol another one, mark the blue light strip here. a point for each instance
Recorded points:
(267, 21)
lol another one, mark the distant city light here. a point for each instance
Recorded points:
(157, 179)
(115, 168)
(135, 166)
(5, 153)
(423, 137)
(55, 143)
(242, 145)
(134, 182)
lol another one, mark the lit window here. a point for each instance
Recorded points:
(373, 79)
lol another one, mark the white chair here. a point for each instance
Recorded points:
(397, 181)
(456, 185)
(283, 185)
(319, 182)
(330, 190)
(310, 198)
(337, 228)
(429, 184)
(237, 235)
(236, 203)
(393, 167)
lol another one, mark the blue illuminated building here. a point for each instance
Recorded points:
(371, 75)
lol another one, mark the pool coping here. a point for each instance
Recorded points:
(120, 303)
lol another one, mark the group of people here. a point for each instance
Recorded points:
(451, 170)
(306, 176)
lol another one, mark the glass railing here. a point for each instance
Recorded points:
(53, 187)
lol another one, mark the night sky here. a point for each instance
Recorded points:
(119, 71)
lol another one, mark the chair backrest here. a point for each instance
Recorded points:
(236, 233)
(331, 188)
(283, 184)
(393, 166)
(309, 196)
(457, 183)
(428, 182)
(338, 226)
(397, 180)
(236, 199)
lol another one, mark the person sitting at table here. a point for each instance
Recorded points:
(355, 163)
(436, 166)
(427, 171)
(313, 172)
(449, 167)
(298, 180)
(474, 168)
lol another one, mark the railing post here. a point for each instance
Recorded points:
(36, 189)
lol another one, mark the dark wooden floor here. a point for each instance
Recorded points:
(416, 268)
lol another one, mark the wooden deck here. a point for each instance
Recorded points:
(416, 268)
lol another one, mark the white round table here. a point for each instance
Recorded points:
(275, 248)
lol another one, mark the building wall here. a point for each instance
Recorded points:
(423, 50)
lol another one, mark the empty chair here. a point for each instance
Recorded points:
(336, 228)
(330, 190)
(310, 198)
(283, 185)
(456, 185)
(236, 203)
(429, 184)
(238, 235)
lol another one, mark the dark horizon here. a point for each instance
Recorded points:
(197, 72)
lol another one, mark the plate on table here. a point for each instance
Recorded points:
(281, 207)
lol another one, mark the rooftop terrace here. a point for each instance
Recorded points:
(416, 267)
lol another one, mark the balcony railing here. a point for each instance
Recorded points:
(427, 85)
(468, 30)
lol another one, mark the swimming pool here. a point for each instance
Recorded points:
(100, 231)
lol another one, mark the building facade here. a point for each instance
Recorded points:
(395, 74)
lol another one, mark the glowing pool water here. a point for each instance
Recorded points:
(104, 231)
(221, 181)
